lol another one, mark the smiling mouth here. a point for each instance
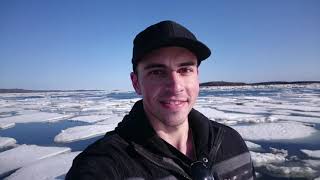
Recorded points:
(173, 103)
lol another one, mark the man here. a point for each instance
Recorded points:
(163, 137)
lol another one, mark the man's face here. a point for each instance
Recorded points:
(167, 79)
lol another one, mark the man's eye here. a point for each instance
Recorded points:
(185, 70)
(156, 72)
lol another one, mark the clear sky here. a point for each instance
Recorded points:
(87, 44)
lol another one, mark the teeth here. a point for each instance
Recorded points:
(174, 102)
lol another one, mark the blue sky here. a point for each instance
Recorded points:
(78, 44)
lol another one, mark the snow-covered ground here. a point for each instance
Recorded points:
(262, 115)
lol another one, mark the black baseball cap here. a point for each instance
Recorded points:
(167, 33)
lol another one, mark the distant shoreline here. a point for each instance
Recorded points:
(37, 91)
(224, 83)
(205, 84)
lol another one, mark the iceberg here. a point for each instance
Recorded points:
(82, 132)
(297, 118)
(6, 142)
(280, 131)
(46, 169)
(230, 118)
(261, 159)
(253, 147)
(311, 153)
(90, 118)
(312, 163)
(289, 171)
(24, 155)
(31, 116)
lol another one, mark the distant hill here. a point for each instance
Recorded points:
(223, 83)
(35, 91)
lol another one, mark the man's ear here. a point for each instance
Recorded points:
(135, 83)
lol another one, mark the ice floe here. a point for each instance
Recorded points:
(275, 131)
(243, 109)
(292, 113)
(90, 118)
(31, 116)
(231, 118)
(253, 147)
(112, 120)
(46, 169)
(82, 132)
(312, 163)
(298, 118)
(24, 155)
(311, 153)
(289, 171)
(261, 159)
(6, 142)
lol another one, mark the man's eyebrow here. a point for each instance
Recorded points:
(158, 65)
(154, 65)
(190, 63)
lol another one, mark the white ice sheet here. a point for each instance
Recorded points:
(26, 154)
(7, 142)
(275, 131)
(82, 132)
(90, 118)
(253, 146)
(46, 169)
(261, 159)
(312, 153)
(31, 116)
(290, 171)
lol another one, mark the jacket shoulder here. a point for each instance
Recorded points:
(232, 143)
(100, 159)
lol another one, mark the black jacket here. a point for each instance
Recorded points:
(134, 151)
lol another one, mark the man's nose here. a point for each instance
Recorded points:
(174, 83)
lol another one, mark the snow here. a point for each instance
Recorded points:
(82, 132)
(292, 113)
(311, 153)
(112, 120)
(24, 155)
(298, 118)
(261, 159)
(244, 108)
(31, 116)
(280, 131)
(7, 142)
(297, 107)
(58, 165)
(90, 118)
(212, 113)
(8, 109)
(253, 147)
(312, 163)
(230, 118)
(290, 172)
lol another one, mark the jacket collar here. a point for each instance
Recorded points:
(135, 127)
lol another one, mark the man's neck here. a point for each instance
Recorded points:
(178, 136)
